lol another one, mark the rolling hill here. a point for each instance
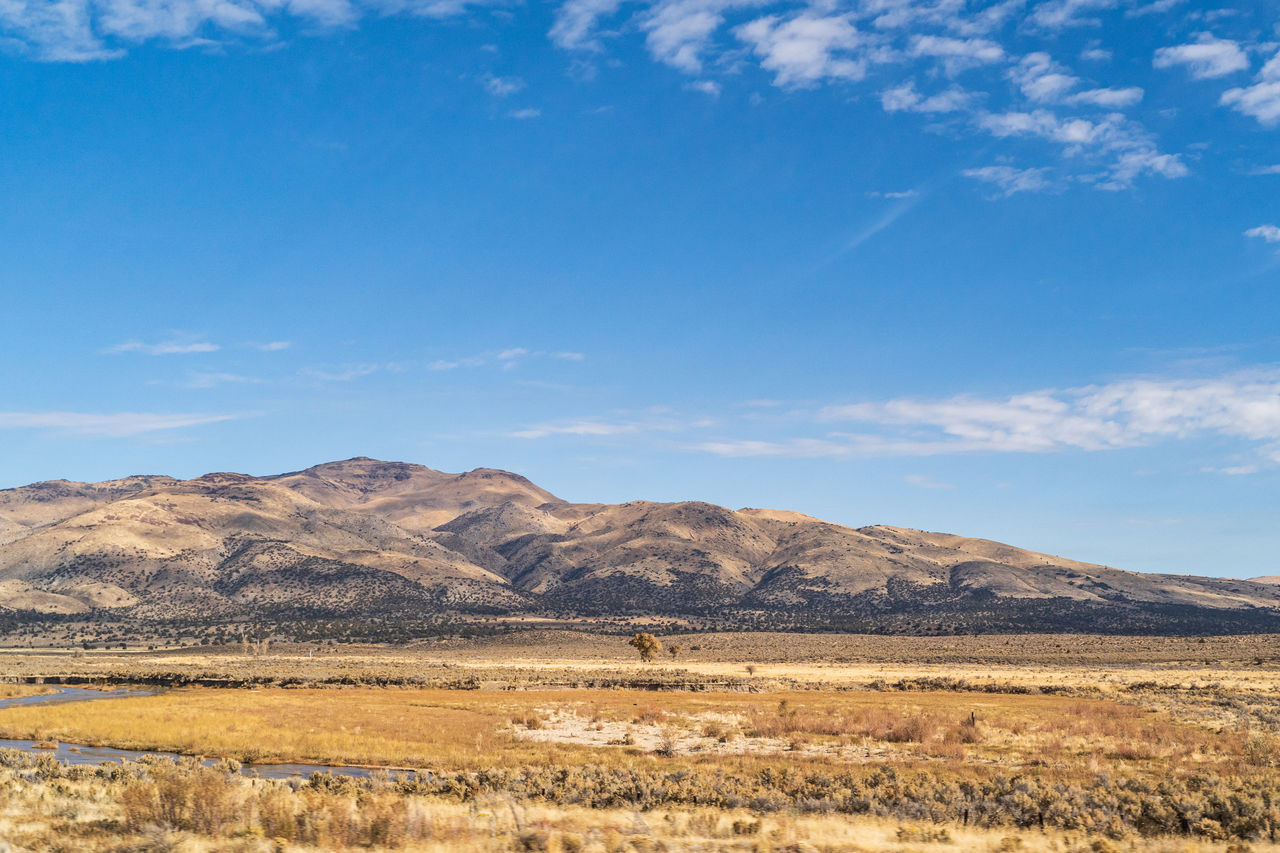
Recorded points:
(402, 543)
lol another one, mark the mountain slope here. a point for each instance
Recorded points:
(394, 541)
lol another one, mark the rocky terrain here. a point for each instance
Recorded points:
(403, 544)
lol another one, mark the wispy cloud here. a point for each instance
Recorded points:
(807, 48)
(502, 87)
(214, 379)
(1011, 180)
(657, 420)
(576, 24)
(911, 45)
(1123, 148)
(1132, 413)
(82, 31)
(272, 346)
(1206, 58)
(171, 347)
(707, 87)
(580, 428)
(1269, 233)
(507, 359)
(116, 425)
(455, 363)
(345, 373)
(1262, 99)
(905, 98)
(924, 482)
(1056, 15)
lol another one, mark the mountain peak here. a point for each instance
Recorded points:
(364, 538)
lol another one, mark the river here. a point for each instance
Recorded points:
(75, 753)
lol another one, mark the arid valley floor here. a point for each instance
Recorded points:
(562, 741)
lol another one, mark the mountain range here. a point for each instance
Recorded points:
(401, 542)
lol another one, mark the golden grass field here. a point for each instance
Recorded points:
(1137, 743)
(412, 728)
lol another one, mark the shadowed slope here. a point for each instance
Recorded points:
(365, 538)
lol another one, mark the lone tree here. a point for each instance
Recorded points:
(674, 650)
(647, 645)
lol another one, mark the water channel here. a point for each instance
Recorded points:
(74, 753)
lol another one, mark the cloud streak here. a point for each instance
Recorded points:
(164, 347)
(116, 425)
(1131, 413)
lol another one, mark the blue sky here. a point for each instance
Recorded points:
(1002, 269)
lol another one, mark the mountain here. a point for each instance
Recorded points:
(403, 544)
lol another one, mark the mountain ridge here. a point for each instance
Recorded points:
(366, 539)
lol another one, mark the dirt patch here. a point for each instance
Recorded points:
(695, 734)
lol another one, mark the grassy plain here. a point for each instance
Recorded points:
(818, 742)
(456, 729)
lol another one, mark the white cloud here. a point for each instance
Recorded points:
(89, 30)
(707, 87)
(1061, 14)
(1130, 164)
(1108, 98)
(1233, 470)
(1206, 58)
(800, 45)
(1042, 79)
(117, 425)
(576, 428)
(654, 420)
(1158, 7)
(806, 48)
(1122, 414)
(273, 346)
(501, 87)
(507, 358)
(905, 98)
(341, 374)
(1262, 99)
(454, 364)
(1269, 233)
(1125, 148)
(1265, 170)
(957, 54)
(575, 24)
(677, 31)
(925, 482)
(1243, 407)
(165, 347)
(211, 380)
(1011, 180)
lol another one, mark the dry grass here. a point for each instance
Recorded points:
(475, 729)
(1145, 739)
(199, 811)
(13, 691)
(790, 660)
